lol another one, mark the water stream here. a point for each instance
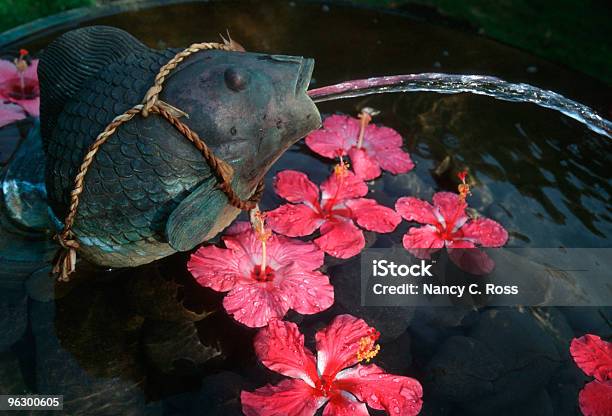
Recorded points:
(475, 84)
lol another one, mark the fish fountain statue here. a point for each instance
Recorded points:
(148, 192)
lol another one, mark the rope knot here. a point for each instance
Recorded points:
(65, 260)
(67, 240)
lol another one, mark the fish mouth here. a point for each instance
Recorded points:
(304, 75)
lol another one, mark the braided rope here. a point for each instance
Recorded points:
(65, 259)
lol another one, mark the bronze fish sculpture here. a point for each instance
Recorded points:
(149, 192)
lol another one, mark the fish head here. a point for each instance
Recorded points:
(248, 107)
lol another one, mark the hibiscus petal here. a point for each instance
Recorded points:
(394, 160)
(283, 251)
(470, 259)
(10, 113)
(596, 399)
(280, 347)
(364, 166)
(485, 232)
(381, 137)
(421, 242)
(338, 343)
(345, 405)
(7, 70)
(343, 187)
(344, 126)
(31, 106)
(327, 143)
(287, 398)
(340, 239)
(372, 216)
(460, 244)
(310, 291)
(450, 206)
(215, 267)
(414, 209)
(593, 355)
(295, 187)
(395, 394)
(32, 70)
(255, 305)
(238, 227)
(246, 247)
(293, 220)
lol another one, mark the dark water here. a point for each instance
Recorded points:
(150, 341)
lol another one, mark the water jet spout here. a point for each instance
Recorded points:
(475, 84)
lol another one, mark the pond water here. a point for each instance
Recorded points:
(151, 341)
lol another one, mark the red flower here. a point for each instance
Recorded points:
(334, 378)
(594, 356)
(448, 225)
(9, 113)
(264, 280)
(19, 84)
(334, 213)
(381, 147)
(595, 398)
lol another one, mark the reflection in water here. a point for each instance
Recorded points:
(101, 342)
(530, 167)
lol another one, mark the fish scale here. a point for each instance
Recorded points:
(149, 200)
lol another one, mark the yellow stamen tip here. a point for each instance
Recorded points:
(367, 349)
(340, 169)
(464, 191)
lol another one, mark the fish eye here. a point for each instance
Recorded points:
(236, 79)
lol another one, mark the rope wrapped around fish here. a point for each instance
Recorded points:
(149, 191)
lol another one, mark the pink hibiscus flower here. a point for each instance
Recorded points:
(19, 83)
(340, 204)
(9, 113)
(447, 224)
(370, 148)
(594, 356)
(265, 275)
(334, 379)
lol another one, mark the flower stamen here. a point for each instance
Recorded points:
(258, 219)
(341, 169)
(368, 348)
(464, 187)
(365, 117)
(21, 65)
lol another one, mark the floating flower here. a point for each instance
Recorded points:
(447, 224)
(334, 379)
(594, 356)
(370, 147)
(9, 113)
(264, 273)
(19, 83)
(340, 204)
